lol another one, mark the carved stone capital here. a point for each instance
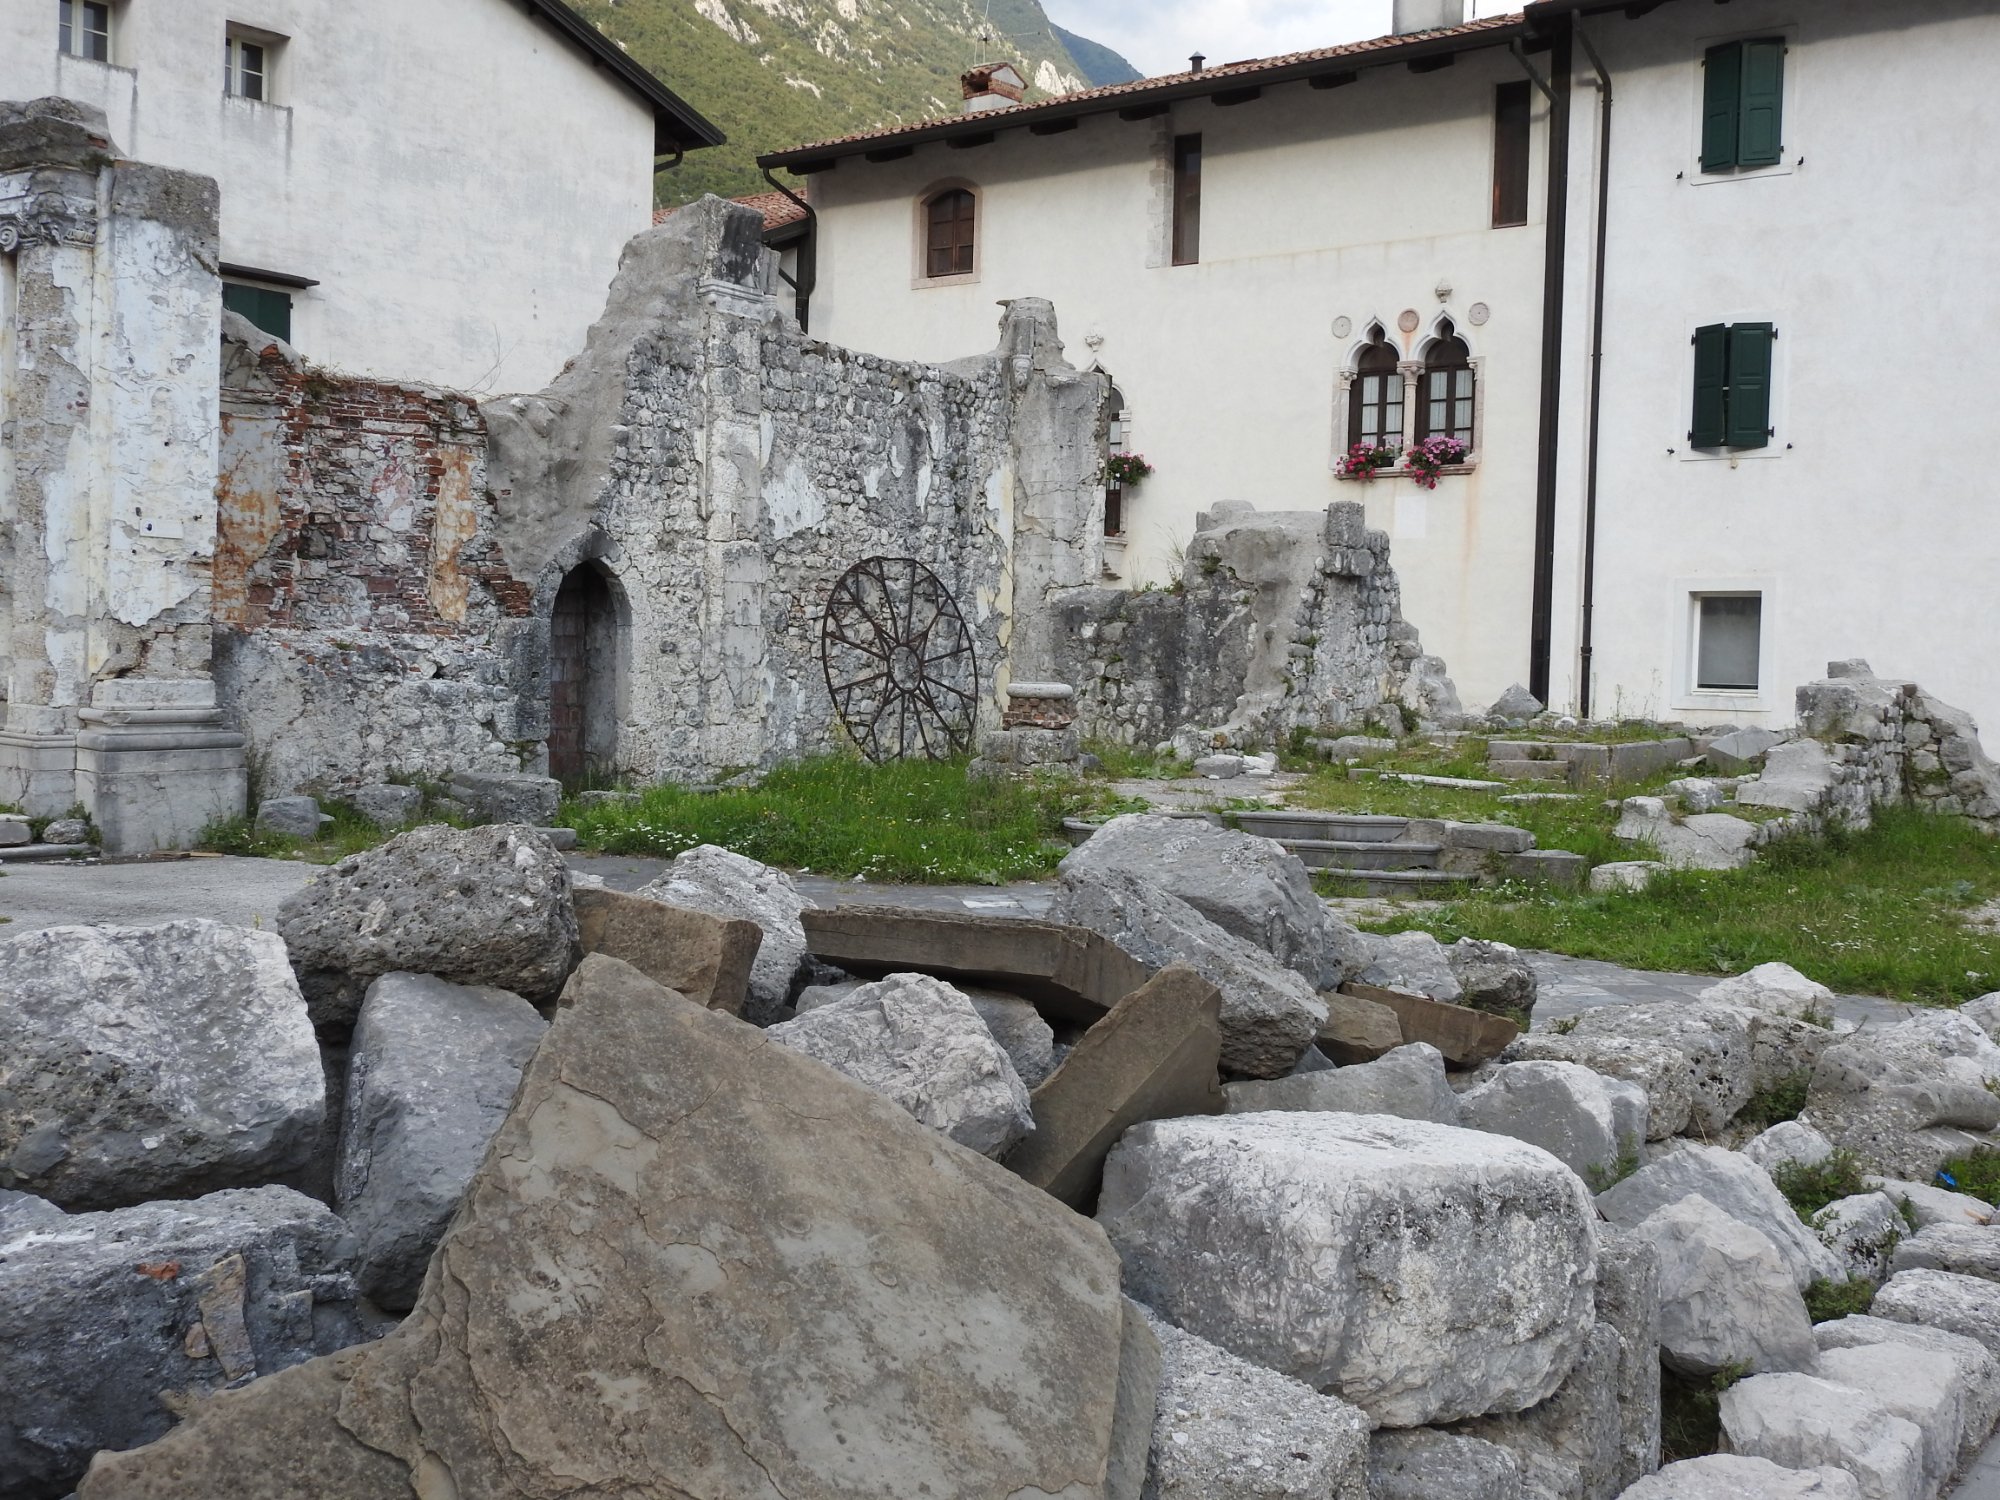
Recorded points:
(46, 218)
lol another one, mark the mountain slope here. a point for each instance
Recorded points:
(775, 73)
(1101, 66)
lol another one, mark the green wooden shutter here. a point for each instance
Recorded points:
(1711, 398)
(270, 310)
(1750, 385)
(1760, 137)
(1721, 106)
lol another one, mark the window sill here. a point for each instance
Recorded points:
(1733, 456)
(1448, 470)
(919, 283)
(1723, 700)
(1699, 178)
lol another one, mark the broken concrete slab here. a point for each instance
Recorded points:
(1408, 1083)
(705, 957)
(1465, 1036)
(1358, 1030)
(1153, 1057)
(857, 1304)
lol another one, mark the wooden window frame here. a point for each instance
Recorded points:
(922, 246)
(1513, 153)
(1393, 397)
(1185, 243)
(1465, 368)
(73, 19)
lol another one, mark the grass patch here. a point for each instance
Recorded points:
(1777, 1102)
(1877, 912)
(1606, 1177)
(1975, 1173)
(1691, 1412)
(1809, 1188)
(1827, 1299)
(348, 833)
(918, 821)
(1133, 762)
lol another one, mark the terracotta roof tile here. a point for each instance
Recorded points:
(777, 209)
(1247, 71)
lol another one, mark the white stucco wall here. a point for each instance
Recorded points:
(1869, 523)
(457, 177)
(1355, 202)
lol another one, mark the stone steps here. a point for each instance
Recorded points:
(1427, 885)
(1357, 828)
(1352, 854)
(1530, 770)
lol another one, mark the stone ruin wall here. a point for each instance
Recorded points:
(1282, 620)
(1889, 741)
(389, 556)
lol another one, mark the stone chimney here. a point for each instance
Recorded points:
(992, 86)
(1428, 15)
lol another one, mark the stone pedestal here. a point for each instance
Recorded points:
(1037, 733)
(155, 764)
(37, 762)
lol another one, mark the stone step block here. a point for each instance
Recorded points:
(1347, 854)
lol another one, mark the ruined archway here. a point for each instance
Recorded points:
(586, 647)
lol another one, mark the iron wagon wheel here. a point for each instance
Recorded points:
(899, 661)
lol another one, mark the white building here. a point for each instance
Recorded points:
(1384, 185)
(433, 192)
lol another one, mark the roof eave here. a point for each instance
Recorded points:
(1200, 86)
(677, 125)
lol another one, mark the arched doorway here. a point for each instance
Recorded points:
(583, 676)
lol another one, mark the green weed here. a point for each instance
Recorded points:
(1975, 1173)
(1827, 1299)
(1779, 1101)
(1809, 1188)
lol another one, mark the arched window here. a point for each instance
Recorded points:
(948, 233)
(1375, 410)
(1444, 401)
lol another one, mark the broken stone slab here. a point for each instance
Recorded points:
(705, 957)
(726, 884)
(1797, 777)
(1423, 1463)
(294, 817)
(1734, 1184)
(1413, 962)
(1926, 1204)
(14, 831)
(1789, 1142)
(1424, 1273)
(857, 1305)
(1727, 1298)
(1977, 1371)
(1466, 1037)
(1269, 1013)
(1731, 1476)
(1587, 1121)
(1154, 1056)
(1701, 841)
(1904, 1098)
(1776, 989)
(504, 798)
(1219, 767)
(1965, 1305)
(1625, 875)
(1628, 1302)
(117, 1322)
(1740, 752)
(1803, 1422)
(1568, 1444)
(1957, 1248)
(1920, 1386)
(1659, 1070)
(1551, 867)
(1248, 886)
(1494, 977)
(386, 804)
(1357, 1030)
(1713, 1040)
(431, 1072)
(152, 1062)
(1226, 1429)
(914, 1039)
(1862, 1229)
(487, 906)
(1697, 794)
(1408, 1083)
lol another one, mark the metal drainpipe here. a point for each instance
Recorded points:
(808, 277)
(1586, 648)
(1555, 247)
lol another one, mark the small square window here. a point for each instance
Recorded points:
(1729, 642)
(83, 29)
(246, 66)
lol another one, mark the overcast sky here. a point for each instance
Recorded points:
(1158, 35)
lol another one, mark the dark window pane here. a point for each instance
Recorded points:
(1512, 143)
(1187, 199)
(65, 26)
(948, 234)
(1730, 634)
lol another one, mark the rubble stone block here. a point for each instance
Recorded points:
(1661, 1071)
(14, 832)
(1425, 1274)
(1978, 1372)
(386, 804)
(1918, 1385)
(857, 1305)
(1740, 751)
(1940, 1299)
(726, 884)
(694, 953)
(533, 800)
(1803, 1422)
(1584, 1119)
(1714, 1040)
(1466, 1037)
(1958, 1248)
(294, 817)
(1734, 1184)
(1413, 962)
(1357, 1030)
(1777, 989)
(1726, 1298)
(1625, 875)
(1494, 977)
(151, 1062)
(1862, 1230)
(1628, 1301)
(1153, 1056)
(1570, 1443)
(1788, 1142)
(1730, 1476)
(1408, 1083)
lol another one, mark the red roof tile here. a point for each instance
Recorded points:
(777, 209)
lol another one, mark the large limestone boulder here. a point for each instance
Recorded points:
(1788, 1143)
(1726, 1298)
(1659, 1070)
(918, 1041)
(1803, 1422)
(1027, 1039)
(1248, 886)
(1863, 1229)
(1569, 1444)
(1958, 1248)
(111, 1324)
(1587, 1121)
(726, 884)
(1226, 1429)
(1713, 1041)
(1905, 1097)
(1424, 1273)
(1731, 1476)
(1413, 962)
(1922, 1386)
(1977, 1372)
(1409, 1083)
(151, 1062)
(430, 1075)
(1628, 1302)
(1736, 1185)
(697, 1263)
(1422, 1463)
(487, 906)
(1964, 1305)
(1778, 989)
(1269, 1014)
